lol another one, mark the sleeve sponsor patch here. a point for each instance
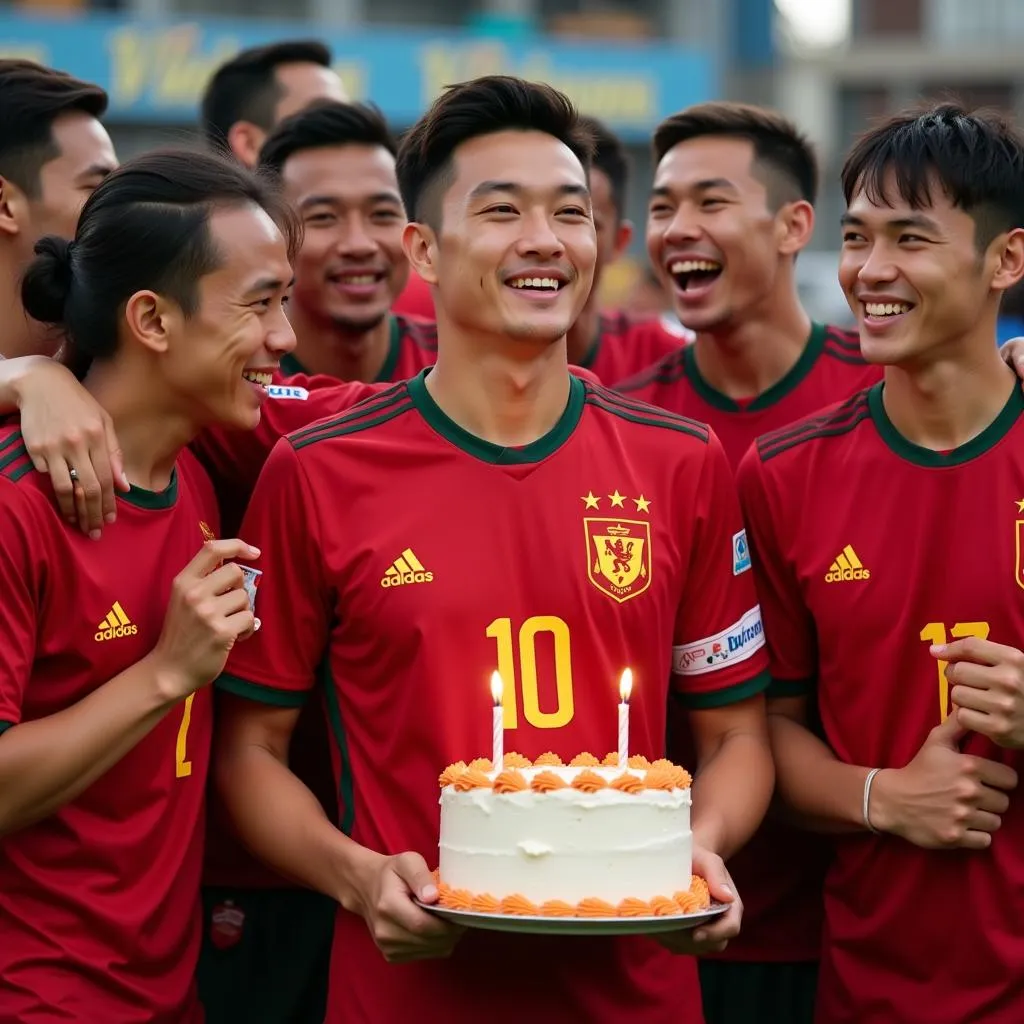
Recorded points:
(740, 553)
(734, 644)
(287, 391)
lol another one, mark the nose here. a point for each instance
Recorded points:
(280, 336)
(877, 266)
(538, 237)
(684, 226)
(355, 240)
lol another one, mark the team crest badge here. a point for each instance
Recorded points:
(618, 556)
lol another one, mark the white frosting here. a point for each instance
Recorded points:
(566, 844)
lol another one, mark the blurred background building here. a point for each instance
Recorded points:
(833, 65)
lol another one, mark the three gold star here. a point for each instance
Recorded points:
(590, 501)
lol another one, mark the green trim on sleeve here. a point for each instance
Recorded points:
(4, 726)
(259, 693)
(790, 688)
(726, 696)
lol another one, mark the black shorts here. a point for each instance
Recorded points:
(265, 956)
(758, 993)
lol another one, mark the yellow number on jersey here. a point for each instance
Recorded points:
(501, 631)
(183, 768)
(935, 633)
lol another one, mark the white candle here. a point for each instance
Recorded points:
(625, 688)
(497, 721)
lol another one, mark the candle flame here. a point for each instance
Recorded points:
(626, 685)
(497, 686)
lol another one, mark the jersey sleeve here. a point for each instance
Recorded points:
(19, 608)
(277, 664)
(789, 627)
(718, 655)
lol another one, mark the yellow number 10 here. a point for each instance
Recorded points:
(501, 631)
(183, 768)
(935, 633)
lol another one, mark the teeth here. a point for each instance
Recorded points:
(358, 278)
(535, 282)
(886, 308)
(259, 377)
(689, 266)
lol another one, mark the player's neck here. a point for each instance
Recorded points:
(332, 349)
(150, 430)
(509, 398)
(582, 335)
(945, 404)
(745, 358)
(19, 334)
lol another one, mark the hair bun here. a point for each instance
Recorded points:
(48, 280)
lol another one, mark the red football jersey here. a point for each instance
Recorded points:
(626, 346)
(416, 299)
(829, 370)
(868, 549)
(405, 559)
(99, 903)
(780, 872)
(412, 345)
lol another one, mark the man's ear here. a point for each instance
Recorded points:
(420, 245)
(245, 140)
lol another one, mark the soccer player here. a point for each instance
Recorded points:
(336, 164)
(730, 210)
(248, 95)
(485, 470)
(613, 345)
(887, 539)
(53, 153)
(171, 300)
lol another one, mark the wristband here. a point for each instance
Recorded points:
(867, 800)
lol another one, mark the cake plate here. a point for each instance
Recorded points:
(576, 925)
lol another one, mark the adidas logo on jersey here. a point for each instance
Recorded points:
(847, 567)
(407, 568)
(115, 625)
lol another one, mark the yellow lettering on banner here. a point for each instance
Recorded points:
(37, 53)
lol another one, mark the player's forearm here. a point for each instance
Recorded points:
(820, 792)
(282, 822)
(13, 373)
(47, 763)
(731, 793)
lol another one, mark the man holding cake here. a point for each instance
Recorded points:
(496, 518)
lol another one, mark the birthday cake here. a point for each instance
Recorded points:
(589, 839)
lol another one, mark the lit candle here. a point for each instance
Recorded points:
(497, 721)
(625, 688)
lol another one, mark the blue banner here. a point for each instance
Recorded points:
(155, 72)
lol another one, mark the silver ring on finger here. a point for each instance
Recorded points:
(73, 473)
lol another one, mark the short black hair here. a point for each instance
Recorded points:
(976, 158)
(32, 97)
(611, 159)
(779, 147)
(245, 88)
(326, 123)
(483, 106)
(145, 227)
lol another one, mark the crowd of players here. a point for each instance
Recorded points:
(822, 600)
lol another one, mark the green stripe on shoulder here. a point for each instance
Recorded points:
(259, 693)
(14, 458)
(640, 412)
(834, 423)
(353, 423)
(380, 401)
(727, 695)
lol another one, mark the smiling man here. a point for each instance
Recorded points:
(53, 153)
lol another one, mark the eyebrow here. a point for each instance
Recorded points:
(325, 200)
(96, 170)
(268, 284)
(914, 220)
(704, 185)
(489, 187)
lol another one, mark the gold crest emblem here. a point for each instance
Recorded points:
(618, 556)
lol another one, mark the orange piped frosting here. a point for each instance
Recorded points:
(482, 764)
(519, 906)
(588, 782)
(514, 760)
(458, 899)
(610, 761)
(451, 773)
(638, 761)
(662, 906)
(511, 780)
(699, 889)
(659, 778)
(628, 783)
(472, 778)
(632, 907)
(681, 777)
(584, 761)
(549, 760)
(485, 903)
(545, 782)
(593, 907)
(662, 762)
(557, 908)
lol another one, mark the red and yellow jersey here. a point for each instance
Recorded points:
(625, 346)
(99, 902)
(412, 346)
(867, 550)
(614, 541)
(829, 369)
